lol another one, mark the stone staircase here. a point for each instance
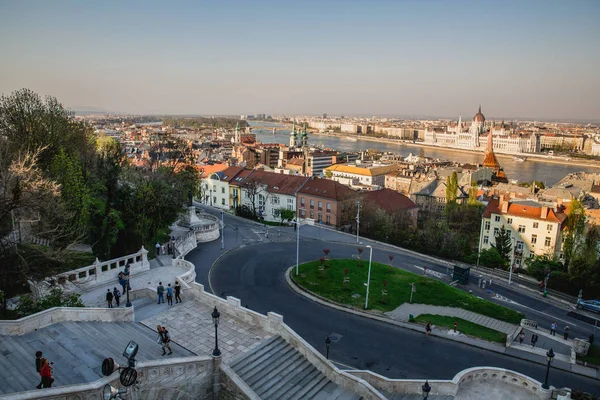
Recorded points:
(77, 350)
(275, 370)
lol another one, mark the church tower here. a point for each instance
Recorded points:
(304, 137)
(237, 138)
(293, 137)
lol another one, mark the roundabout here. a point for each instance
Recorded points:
(256, 275)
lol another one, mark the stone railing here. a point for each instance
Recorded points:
(64, 314)
(184, 244)
(233, 387)
(189, 377)
(452, 387)
(189, 276)
(99, 273)
(273, 324)
(512, 336)
(529, 323)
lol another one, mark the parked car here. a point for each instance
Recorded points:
(590, 305)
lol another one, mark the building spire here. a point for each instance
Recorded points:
(480, 108)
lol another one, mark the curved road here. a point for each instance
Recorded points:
(255, 274)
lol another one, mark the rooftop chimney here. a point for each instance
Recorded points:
(544, 212)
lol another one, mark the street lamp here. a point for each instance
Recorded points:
(215, 316)
(512, 260)
(297, 226)
(368, 276)
(549, 357)
(426, 389)
(327, 345)
(357, 221)
(222, 231)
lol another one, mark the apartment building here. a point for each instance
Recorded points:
(360, 177)
(535, 229)
(324, 201)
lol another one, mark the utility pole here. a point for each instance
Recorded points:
(357, 221)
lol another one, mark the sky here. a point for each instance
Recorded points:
(518, 59)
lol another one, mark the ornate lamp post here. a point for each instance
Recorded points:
(327, 345)
(215, 316)
(549, 357)
(426, 389)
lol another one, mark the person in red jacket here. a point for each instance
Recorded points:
(46, 373)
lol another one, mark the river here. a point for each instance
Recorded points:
(549, 173)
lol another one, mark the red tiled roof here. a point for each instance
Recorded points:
(279, 183)
(523, 211)
(239, 179)
(327, 189)
(206, 170)
(389, 200)
(230, 173)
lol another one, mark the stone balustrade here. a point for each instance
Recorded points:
(184, 244)
(64, 314)
(99, 273)
(189, 377)
(529, 323)
(452, 387)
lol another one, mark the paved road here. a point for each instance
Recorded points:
(255, 275)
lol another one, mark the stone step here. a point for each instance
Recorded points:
(312, 388)
(262, 359)
(300, 383)
(296, 366)
(239, 361)
(276, 368)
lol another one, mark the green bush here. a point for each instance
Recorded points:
(56, 298)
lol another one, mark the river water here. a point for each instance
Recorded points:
(549, 173)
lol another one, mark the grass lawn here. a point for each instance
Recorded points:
(466, 327)
(593, 356)
(329, 284)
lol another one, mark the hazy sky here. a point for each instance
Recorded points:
(525, 58)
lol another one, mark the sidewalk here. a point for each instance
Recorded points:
(167, 273)
(402, 314)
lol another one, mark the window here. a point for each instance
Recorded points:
(536, 225)
(301, 201)
(496, 230)
(328, 219)
(276, 212)
(290, 201)
(328, 207)
(215, 200)
(497, 218)
(320, 206)
(275, 200)
(549, 227)
(521, 228)
(486, 239)
(214, 188)
(533, 239)
(319, 217)
(547, 242)
(303, 213)
(487, 225)
(312, 214)
(510, 220)
(312, 204)
(519, 246)
(261, 202)
(222, 190)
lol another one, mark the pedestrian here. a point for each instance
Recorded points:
(157, 249)
(109, 298)
(164, 339)
(566, 335)
(521, 336)
(38, 367)
(46, 373)
(428, 328)
(169, 295)
(177, 292)
(117, 295)
(160, 291)
(553, 329)
(534, 339)
(164, 249)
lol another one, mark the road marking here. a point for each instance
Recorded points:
(429, 271)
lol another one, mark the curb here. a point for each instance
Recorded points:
(328, 303)
(213, 265)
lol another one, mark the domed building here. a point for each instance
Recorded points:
(478, 125)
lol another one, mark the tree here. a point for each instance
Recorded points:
(503, 243)
(56, 298)
(574, 229)
(252, 187)
(451, 187)
(492, 259)
(286, 215)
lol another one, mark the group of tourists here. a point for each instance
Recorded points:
(44, 368)
(171, 292)
(115, 295)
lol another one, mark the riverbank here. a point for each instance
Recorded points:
(530, 157)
